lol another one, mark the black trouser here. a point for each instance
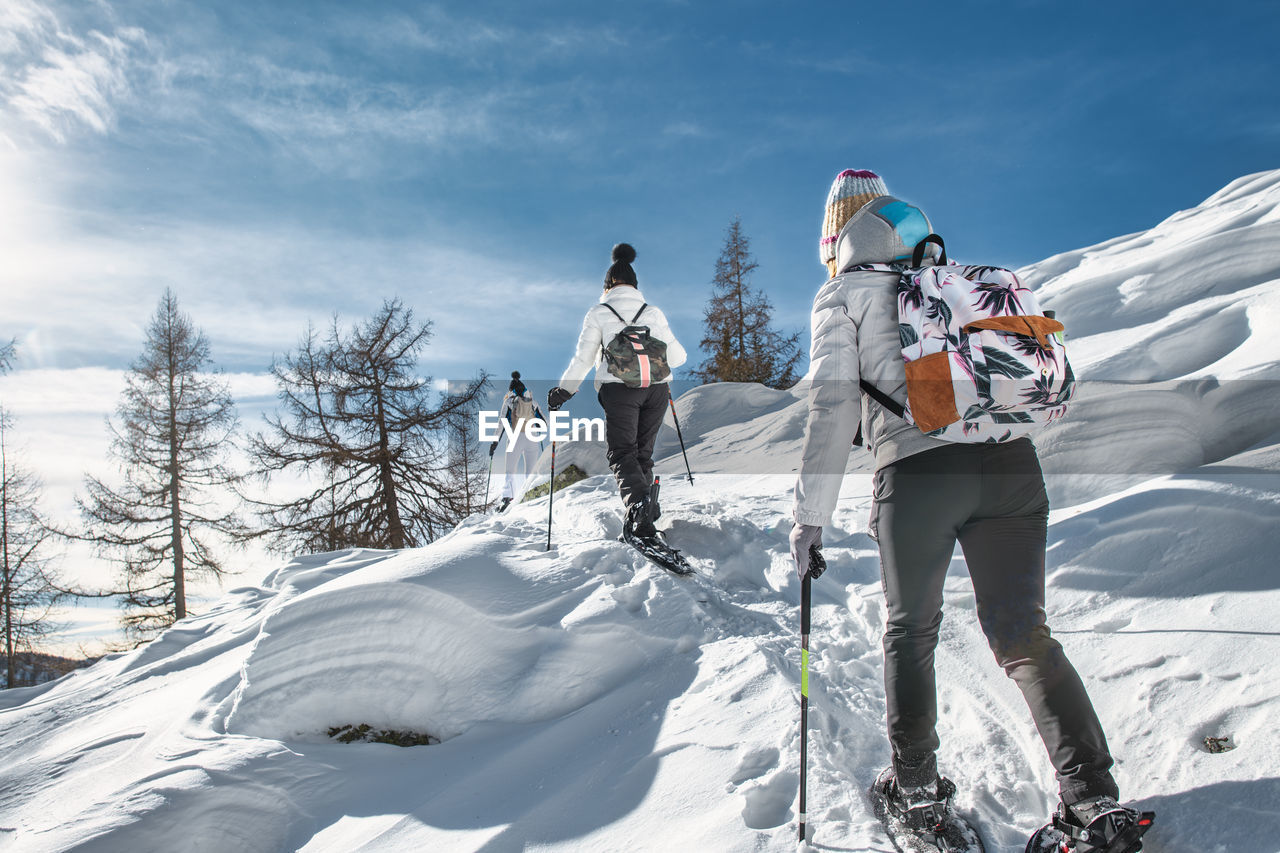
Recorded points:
(632, 418)
(991, 497)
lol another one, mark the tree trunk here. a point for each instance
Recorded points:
(395, 527)
(742, 316)
(179, 579)
(9, 654)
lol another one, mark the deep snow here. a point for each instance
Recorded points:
(589, 701)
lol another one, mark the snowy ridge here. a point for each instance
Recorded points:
(589, 701)
(1172, 333)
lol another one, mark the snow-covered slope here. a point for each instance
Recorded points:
(1173, 332)
(588, 701)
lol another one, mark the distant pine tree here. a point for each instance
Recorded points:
(171, 434)
(738, 331)
(468, 464)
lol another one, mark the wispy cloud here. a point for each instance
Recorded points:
(58, 81)
(253, 288)
(685, 129)
(434, 30)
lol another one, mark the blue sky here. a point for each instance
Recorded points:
(279, 162)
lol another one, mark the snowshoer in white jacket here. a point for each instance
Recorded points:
(632, 415)
(927, 495)
(518, 408)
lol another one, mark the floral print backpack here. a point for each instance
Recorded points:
(983, 362)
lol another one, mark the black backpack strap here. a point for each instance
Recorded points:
(917, 257)
(615, 313)
(638, 313)
(883, 399)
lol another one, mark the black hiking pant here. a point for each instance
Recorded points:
(632, 418)
(990, 497)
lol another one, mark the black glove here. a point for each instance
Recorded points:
(557, 397)
(493, 448)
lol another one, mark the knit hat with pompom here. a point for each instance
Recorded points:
(851, 189)
(621, 272)
(516, 385)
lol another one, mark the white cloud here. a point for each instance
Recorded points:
(58, 81)
(75, 297)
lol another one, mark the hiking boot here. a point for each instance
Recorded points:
(1101, 825)
(506, 502)
(639, 523)
(921, 807)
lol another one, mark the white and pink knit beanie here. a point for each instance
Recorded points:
(851, 189)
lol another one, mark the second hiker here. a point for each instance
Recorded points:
(631, 373)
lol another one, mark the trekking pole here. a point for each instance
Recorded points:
(487, 480)
(817, 565)
(551, 493)
(679, 435)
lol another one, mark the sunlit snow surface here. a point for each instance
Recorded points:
(589, 701)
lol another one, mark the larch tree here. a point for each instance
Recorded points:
(738, 333)
(28, 586)
(367, 435)
(171, 436)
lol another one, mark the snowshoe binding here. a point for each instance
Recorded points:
(1095, 825)
(638, 532)
(922, 820)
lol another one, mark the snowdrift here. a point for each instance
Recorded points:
(588, 701)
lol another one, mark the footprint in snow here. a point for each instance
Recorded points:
(769, 804)
(755, 763)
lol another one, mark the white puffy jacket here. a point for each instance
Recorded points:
(599, 327)
(854, 336)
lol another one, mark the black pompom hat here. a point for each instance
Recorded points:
(621, 272)
(516, 385)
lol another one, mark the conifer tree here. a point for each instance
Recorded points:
(738, 331)
(171, 434)
(360, 426)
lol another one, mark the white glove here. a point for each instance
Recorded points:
(804, 537)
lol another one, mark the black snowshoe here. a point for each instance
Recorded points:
(1096, 825)
(922, 820)
(502, 507)
(638, 532)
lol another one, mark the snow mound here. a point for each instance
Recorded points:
(399, 656)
